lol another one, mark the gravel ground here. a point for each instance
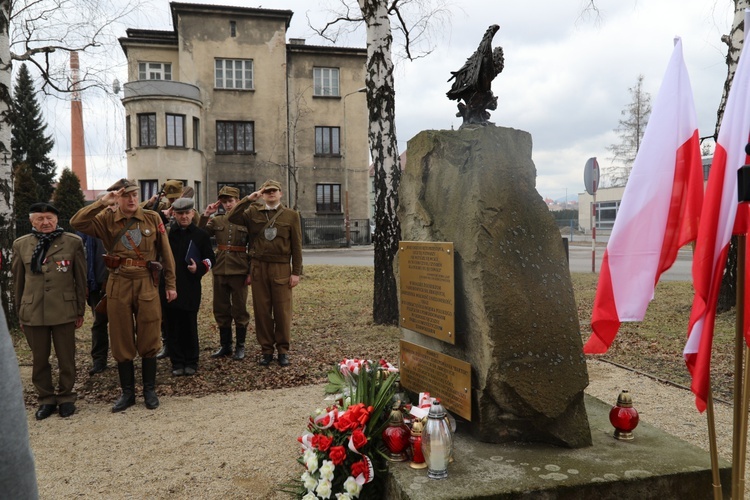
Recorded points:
(243, 445)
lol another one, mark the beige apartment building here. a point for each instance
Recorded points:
(224, 98)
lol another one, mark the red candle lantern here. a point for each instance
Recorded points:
(396, 436)
(624, 417)
(417, 457)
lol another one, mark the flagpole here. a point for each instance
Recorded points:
(741, 382)
(713, 449)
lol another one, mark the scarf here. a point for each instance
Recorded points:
(40, 251)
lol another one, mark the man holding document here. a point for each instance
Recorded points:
(194, 257)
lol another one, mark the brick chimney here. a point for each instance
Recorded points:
(78, 148)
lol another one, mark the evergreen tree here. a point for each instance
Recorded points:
(68, 197)
(29, 143)
(25, 188)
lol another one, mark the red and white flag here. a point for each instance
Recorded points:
(659, 210)
(720, 218)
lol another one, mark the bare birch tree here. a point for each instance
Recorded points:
(409, 21)
(43, 33)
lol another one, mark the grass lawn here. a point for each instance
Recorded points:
(333, 320)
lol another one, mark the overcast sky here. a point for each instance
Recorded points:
(565, 81)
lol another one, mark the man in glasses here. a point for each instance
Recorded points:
(276, 242)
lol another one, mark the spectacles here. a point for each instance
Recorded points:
(270, 190)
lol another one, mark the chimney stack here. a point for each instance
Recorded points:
(78, 148)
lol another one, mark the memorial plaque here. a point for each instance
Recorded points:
(426, 274)
(444, 377)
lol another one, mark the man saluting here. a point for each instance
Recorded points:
(137, 247)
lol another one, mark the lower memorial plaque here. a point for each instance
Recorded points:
(444, 377)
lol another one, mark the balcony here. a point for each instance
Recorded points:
(161, 89)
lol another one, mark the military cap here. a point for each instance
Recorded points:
(128, 184)
(173, 189)
(43, 207)
(229, 191)
(183, 204)
(270, 184)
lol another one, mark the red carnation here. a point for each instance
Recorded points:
(359, 439)
(337, 455)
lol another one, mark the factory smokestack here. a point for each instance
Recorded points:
(78, 148)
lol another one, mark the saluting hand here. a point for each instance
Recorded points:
(254, 195)
(192, 267)
(212, 208)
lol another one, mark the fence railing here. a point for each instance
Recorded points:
(331, 233)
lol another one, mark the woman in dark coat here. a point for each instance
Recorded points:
(194, 257)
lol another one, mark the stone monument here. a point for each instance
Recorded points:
(516, 316)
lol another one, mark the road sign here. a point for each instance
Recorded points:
(591, 176)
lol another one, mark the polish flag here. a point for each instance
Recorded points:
(720, 219)
(659, 210)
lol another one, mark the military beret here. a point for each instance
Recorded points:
(128, 184)
(173, 189)
(182, 204)
(43, 207)
(229, 191)
(270, 184)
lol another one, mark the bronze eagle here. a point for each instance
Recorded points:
(473, 82)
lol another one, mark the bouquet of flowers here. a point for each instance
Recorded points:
(342, 450)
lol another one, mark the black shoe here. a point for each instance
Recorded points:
(189, 370)
(224, 351)
(67, 409)
(149, 383)
(239, 353)
(125, 401)
(45, 411)
(283, 360)
(163, 353)
(178, 372)
(126, 373)
(265, 359)
(98, 367)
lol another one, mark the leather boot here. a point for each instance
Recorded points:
(149, 383)
(225, 338)
(239, 351)
(126, 371)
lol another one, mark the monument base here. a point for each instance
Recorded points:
(654, 465)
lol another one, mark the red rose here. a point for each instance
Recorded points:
(359, 439)
(360, 468)
(337, 455)
(344, 423)
(322, 442)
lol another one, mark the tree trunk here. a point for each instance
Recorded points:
(381, 101)
(7, 221)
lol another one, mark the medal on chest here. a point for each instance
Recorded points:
(270, 232)
(133, 240)
(62, 265)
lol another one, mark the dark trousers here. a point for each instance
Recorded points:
(41, 339)
(182, 337)
(99, 334)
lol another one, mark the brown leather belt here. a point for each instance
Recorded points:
(134, 263)
(231, 248)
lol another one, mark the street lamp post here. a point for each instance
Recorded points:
(347, 223)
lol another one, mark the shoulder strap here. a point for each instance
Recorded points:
(121, 233)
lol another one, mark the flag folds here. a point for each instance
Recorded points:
(659, 211)
(719, 220)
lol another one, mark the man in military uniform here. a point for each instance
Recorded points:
(231, 273)
(49, 274)
(276, 239)
(136, 241)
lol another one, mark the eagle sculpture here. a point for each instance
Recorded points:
(472, 87)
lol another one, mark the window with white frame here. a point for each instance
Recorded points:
(147, 129)
(233, 74)
(326, 81)
(234, 137)
(328, 198)
(327, 141)
(175, 130)
(149, 187)
(154, 71)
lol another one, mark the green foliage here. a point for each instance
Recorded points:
(30, 144)
(566, 214)
(25, 190)
(68, 197)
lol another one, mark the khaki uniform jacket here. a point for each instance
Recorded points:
(97, 220)
(228, 263)
(286, 246)
(58, 294)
